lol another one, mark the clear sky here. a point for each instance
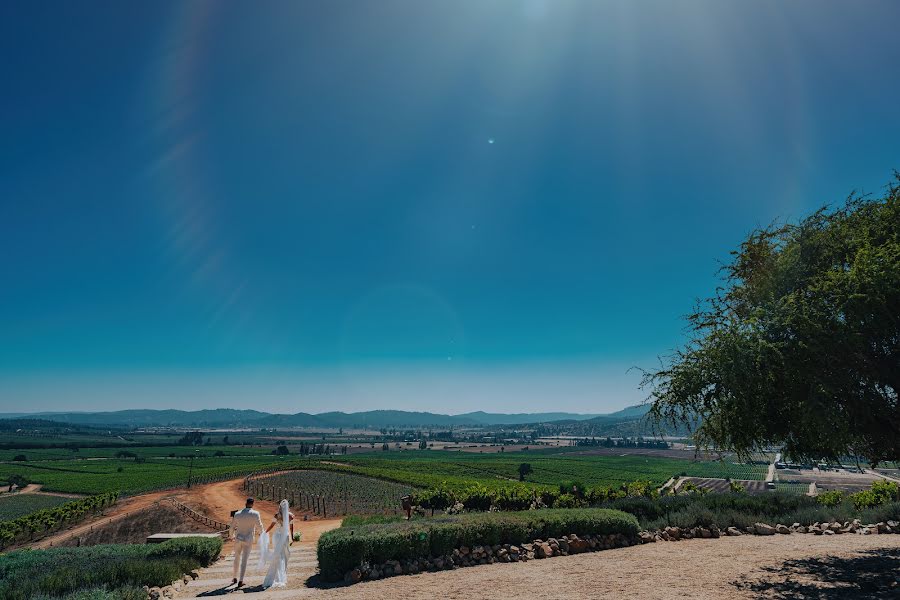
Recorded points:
(448, 206)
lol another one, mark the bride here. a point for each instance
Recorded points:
(276, 559)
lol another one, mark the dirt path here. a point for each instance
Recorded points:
(217, 500)
(742, 568)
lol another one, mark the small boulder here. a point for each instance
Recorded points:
(733, 532)
(763, 529)
(577, 546)
(783, 529)
(353, 576)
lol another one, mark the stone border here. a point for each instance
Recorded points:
(674, 534)
(485, 555)
(575, 544)
(169, 591)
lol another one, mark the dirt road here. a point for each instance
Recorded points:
(215, 500)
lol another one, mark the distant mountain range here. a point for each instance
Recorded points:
(226, 417)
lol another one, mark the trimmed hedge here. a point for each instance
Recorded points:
(92, 571)
(344, 549)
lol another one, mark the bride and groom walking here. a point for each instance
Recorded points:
(274, 559)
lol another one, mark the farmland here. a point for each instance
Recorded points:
(130, 476)
(346, 493)
(99, 470)
(429, 468)
(13, 506)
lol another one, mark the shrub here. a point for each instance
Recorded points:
(514, 498)
(341, 550)
(92, 571)
(568, 501)
(830, 498)
(736, 488)
(477, 497)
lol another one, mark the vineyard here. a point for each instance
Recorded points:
(330, 493)
(13, 506)
(431, 469)
(132, 476)
(52, 519)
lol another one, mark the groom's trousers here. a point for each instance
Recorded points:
(241, 554)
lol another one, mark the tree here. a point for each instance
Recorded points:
(423, 445)
(281, 451)
(20, 458)
(800, 346)
(191, 438)
(524, 469)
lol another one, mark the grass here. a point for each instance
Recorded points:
(344, 549)
(101, 571)
(13, 506)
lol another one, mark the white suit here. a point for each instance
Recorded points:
(243, 528)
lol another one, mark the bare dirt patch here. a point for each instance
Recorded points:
(135, 527)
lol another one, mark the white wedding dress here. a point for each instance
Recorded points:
(277, 558)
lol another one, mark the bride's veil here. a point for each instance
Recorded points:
(285, 519)
(277, 575)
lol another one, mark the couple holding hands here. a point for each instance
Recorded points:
(273, 560)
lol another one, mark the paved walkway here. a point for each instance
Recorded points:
(215, 580)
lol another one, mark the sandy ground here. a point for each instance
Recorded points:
(794, 566)
(215, 500)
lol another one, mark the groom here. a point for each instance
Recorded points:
(243, 527)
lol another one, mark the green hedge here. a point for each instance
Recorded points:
(91, 571)
(344, 549)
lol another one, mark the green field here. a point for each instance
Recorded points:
(98, 470)
(13, 506)
(130, 477)
(432, 468)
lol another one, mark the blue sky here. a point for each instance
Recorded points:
(442, 206)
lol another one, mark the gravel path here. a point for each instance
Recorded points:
(784, 566)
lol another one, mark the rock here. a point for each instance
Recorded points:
(464, 550)
(563, 546)
(864, 531)
(154, 593)
(733, 531)
(828, 532)
(763, 529)
(801, 529)
(353, 576)
(795, 526)
(577, 546)
(398, 570)
(705, 533)
(543, 550)
(783, 529)
(715, 532)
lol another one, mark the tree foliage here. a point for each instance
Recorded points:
(799, 346)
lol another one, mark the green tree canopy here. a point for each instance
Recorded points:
(799, 346)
